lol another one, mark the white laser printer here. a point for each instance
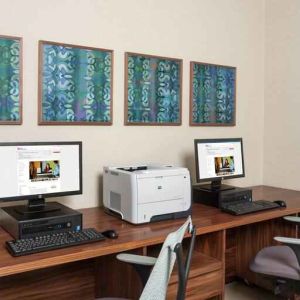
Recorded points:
(141, 194)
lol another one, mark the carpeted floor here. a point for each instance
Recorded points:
(240, 291)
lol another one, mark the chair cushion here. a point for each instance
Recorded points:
(277, 261)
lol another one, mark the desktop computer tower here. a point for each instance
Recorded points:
(218, 198)
(58, 218)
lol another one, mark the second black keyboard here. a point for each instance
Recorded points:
(53, 241)
(243, 208)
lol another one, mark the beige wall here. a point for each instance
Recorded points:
(282, 90)
(227, 32)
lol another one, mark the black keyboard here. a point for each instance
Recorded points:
(242, 208)
(53, 241)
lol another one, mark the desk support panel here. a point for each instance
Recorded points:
(70, 281)
(250, 239)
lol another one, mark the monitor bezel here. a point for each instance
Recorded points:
(47, 195)
(205, 141)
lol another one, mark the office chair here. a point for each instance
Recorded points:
(281, 264)
(155, 272)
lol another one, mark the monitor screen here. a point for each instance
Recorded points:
(218, 159)
(32, 170)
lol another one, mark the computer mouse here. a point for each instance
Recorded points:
(281, 203)
(111, 234)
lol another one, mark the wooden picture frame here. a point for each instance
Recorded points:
(11, 80)
(145, 106)
(212, 95)
(86, 73)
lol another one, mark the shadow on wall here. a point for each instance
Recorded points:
(100, 190)
(189, 162)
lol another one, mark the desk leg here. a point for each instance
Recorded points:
(214, 245)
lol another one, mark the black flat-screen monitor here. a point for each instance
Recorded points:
(218, 159)
(35, 170)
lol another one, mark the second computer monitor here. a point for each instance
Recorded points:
(218, 159)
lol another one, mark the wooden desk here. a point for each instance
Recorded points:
(225, 244)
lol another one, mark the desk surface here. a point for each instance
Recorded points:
(207, 219)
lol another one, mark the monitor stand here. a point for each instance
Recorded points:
(215, 186)
(36, 206)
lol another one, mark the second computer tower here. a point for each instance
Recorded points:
(219, 198)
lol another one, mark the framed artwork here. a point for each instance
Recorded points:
(75, 85)
(153, 87)
(212, 95)
(10, 80)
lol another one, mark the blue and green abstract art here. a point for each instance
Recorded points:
(75, 85)
(152, 90)
(10, 80)
(212, 95)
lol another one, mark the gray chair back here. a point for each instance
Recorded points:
(157, 284)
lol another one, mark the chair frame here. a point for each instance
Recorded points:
(184, 268)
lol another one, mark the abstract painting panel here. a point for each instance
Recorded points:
(10, 80)
(152, 90)
(213, 93)
(75, 85)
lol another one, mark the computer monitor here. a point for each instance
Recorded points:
(218, 159)
(32, 171)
